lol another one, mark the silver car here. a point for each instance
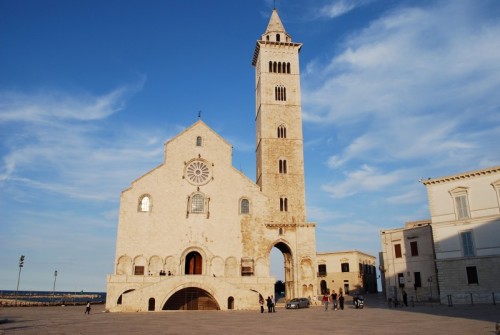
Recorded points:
(298, 303)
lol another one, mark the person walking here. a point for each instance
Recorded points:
(325, 301)
(405, 298)
(273, 301)
(87, 308)
(334, 301)
(341, 301)
(269, 304)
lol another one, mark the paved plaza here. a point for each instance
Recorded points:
(375, 318)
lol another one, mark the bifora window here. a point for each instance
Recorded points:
(281, 131)
(283, 204)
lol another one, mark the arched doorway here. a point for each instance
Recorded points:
(288, 269)
(230, 303)
(191, 298)
(193, 264)
(151, 304)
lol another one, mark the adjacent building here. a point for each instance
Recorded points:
(346, 271)
(465, 216)
(454, 257)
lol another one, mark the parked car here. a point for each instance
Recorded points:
(298, 303)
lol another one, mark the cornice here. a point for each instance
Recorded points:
(465, 175)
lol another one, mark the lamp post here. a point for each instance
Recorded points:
(21, 264)
(54, 288)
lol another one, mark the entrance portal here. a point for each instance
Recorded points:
(193, 264)
(288, 268)
(191, 298)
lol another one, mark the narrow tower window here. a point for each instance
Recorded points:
(270, 66)
(199, 141)
(275, 65)
(244, 206)
(281, 131)
(288, 68)
(282, 166)
(280, 93)
(283, 204)
(278, 37)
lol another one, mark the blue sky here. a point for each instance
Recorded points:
(392, 91)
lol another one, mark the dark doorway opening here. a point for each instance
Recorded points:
(191, 298)
(193, 264)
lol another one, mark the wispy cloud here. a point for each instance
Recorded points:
(341, 7)
(413, 86)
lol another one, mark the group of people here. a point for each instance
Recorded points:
(271, 304)
(337, 300)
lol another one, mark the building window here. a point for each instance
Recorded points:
(344, 267)
(414, 248)
(139, 270)
(283, 204)
(144, 204)
(282, 166)
(472, 275)
(321, 270)
(281, 131)
(197, 203)
(278, 37)
(397, 250)
(244, 206)
(467, 243)
(280, 93)
(418, 280)
(199, 141)
(462, 207)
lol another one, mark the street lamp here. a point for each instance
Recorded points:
(21, 264)
(54, 288)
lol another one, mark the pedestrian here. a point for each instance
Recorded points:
(341, 301)
(405, 298)
(273, 304)
(334, 300)
(325, 301)
(269, 304)
(87, 308)
(261, 302)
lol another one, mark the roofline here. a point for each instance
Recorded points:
(464, 175)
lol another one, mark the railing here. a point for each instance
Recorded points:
(471, 298)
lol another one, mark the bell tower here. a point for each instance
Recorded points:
(279, 142)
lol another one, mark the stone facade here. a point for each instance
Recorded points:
(407, 262)
(195, 233)
(347, 271)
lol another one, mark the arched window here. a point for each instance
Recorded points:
(199, 141)
(281, 131)
(275, 65)
(279, 67)
(270, 66)
(282, 166)
(280, 231)
(244, 206)
(288, 68)
(283, 204)
(197, 203)
(278, 37)
(145, 204)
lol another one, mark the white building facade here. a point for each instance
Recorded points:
(465, 215)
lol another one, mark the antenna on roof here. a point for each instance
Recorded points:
(199, 114)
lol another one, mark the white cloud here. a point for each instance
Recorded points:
(341, 7)
(409, 87)
(366, 179)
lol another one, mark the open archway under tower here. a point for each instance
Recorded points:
(287, 269)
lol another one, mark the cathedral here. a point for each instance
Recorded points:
(195, 233)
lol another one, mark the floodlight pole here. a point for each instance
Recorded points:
(21, 264)
(54, 288)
